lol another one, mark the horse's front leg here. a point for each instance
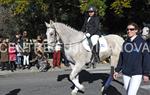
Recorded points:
(75, 90)
(74, 77)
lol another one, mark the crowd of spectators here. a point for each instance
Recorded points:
(23, 52)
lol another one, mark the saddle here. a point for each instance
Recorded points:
(102, 43)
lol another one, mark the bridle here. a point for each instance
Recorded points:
(57, 38)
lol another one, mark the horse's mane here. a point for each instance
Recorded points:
(62, 27)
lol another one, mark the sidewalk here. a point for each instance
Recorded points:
(99, 68)
(144, 88)
(33, 69)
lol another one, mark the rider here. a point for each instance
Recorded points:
(91, 27)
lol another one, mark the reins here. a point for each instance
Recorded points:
(74, 43)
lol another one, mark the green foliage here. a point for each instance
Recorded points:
(6, 2)
(19, 15)
(26, 14)
(99, 4)
(42, 5)
(118, 5)
(21, 6)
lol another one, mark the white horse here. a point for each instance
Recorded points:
(76, 54)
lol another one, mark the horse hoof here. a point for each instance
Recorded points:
(82, 88)
(73, 93)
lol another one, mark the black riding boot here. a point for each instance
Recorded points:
(95, 53)
(95, 57)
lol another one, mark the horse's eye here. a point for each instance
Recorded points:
(147, 30)
(51, 34)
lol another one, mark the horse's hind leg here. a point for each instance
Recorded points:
(114, 60)
(74, 77)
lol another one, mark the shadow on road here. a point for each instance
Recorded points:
(111, 91)
(14, 92)
(61, 77)
(85, 76)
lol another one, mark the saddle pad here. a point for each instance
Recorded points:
(102, 42)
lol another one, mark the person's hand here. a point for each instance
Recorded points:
(145, 78)
(115, 75)
(88, 35)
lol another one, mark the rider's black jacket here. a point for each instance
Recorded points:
(92, 26)
(134, 58)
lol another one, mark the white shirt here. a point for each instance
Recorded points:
(18, 49)
(132, 38)
(88, 19)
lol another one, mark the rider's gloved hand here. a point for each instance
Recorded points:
(88, 35)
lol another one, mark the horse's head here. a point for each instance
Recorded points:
(145, 33)
(51, 35)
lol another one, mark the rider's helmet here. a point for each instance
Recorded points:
(92, 9)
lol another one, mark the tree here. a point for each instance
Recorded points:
(31, 14)
(22, 6)
(119, 5)
(99, 4)
(7, 23)
(27, 13)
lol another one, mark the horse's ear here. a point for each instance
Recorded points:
(51, 22)
(47, 24)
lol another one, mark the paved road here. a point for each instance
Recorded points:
(56, 83)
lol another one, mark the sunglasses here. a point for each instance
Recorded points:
(131, 29)
(90, 11)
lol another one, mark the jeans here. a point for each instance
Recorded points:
(18, 60)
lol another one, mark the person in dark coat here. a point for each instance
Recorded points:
(133, 61)
(91, 28)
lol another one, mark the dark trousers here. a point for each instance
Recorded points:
(12, 65)
(3, 65)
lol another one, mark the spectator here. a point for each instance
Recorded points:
(133, 61)
(42, 62)
(39, 50)
(4, 55)
(39, 45)
(26, 50)
(0, 48)
(57, 56)
(25, 36)
(26, 53)
(19, 50)
(40, 55)
(12, 56)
